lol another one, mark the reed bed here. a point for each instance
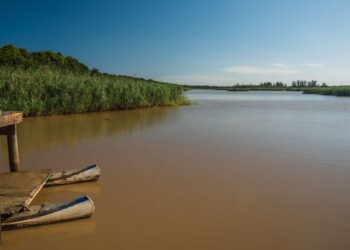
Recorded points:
(49, 91)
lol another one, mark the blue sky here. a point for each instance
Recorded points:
(207, 42)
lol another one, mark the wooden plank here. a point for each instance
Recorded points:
(10, 118)
(17, 190)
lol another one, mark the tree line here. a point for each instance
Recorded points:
(281, 85)
(296, 85)
(12, 56)
(309, 84)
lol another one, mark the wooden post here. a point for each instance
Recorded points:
(12, 145)
(8, 127)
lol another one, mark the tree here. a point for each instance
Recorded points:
(12, 56)
(312, 83)
(279, 84)
(19, 57)
(95, 71)
(299, 84)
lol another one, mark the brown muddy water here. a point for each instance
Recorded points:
(253, 170)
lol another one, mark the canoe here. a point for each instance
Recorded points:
(82, 207)
(88, 173)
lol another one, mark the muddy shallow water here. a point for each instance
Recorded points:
(251, 170)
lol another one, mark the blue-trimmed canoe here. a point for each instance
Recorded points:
(50, 213)
(88, 173)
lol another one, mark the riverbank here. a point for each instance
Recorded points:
(49, 91)
(329, 90)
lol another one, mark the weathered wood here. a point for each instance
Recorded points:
(10, 118)
(8, 127)
(17, 190)
(12, 145)
(5, 130)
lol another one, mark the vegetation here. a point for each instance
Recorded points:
(11, 56)
(48, 83)
(47, 91)
(310, 87)
(265, 86)
(336, 91)
(303, 84)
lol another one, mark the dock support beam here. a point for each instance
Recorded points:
(8, 127)
(12, 145)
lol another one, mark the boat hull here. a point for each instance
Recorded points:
(51, 213)
(89, 173)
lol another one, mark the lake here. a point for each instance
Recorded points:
(235, 170)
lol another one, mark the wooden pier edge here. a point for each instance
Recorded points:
(17, 190)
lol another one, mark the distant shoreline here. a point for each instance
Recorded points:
(329, 90)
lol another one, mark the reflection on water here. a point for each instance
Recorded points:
(53, 233)
(48, 193)
(44, 133)
(67, 130)
(252, 170)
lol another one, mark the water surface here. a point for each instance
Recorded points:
(236, 170)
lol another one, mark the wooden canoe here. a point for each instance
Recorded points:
(51, 213)
(88, 173)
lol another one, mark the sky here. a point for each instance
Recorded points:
(217, 42)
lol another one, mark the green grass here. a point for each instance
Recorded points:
(48, 91)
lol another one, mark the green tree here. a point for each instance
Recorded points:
(12, 56)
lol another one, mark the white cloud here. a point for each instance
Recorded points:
(273, 69)
(315, 65)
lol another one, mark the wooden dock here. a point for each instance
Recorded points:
(17, 190)
(8, 127)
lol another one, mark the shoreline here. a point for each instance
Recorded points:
(339, 91)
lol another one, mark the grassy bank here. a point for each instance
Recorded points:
(49, 91)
